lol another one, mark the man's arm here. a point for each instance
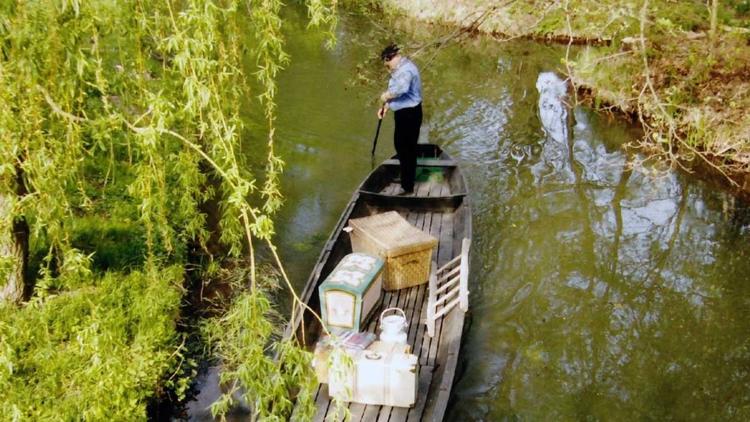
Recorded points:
(386, 96)
(399, 85)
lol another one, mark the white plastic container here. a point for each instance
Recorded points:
(384, 374)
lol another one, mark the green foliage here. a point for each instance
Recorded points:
(364, 6)
(90, 354)
(114, 245)
(341, 370)
(268, 371)
(685, 15)
(120, 120)
(742, 7)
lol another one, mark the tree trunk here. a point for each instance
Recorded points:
(14, 247)
(12, 289)
(714, 24)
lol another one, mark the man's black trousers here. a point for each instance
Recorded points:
(405, 137)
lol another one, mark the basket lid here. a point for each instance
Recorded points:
(393, 234)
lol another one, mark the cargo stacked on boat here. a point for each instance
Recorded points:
(405, 249)
(383, 373)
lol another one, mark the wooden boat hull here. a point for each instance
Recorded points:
(440, 206)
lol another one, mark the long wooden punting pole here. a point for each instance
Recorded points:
(375, 141)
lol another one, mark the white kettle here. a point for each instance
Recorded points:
(393, 327)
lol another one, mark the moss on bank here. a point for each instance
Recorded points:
(659, 62)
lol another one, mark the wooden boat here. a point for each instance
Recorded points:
(439, 206)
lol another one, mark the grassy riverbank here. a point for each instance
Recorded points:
(663, 62)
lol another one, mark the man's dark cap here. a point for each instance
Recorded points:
(389, 52)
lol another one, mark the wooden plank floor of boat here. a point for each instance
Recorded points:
(413, 301)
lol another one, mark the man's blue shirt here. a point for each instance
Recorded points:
(406, 85)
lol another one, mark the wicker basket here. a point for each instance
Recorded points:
(405, 249)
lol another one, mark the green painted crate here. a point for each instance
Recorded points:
(351, 291)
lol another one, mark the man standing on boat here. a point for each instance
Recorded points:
(404, 97)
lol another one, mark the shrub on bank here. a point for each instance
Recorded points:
(93, 353)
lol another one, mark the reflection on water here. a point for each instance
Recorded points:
(553, 116)
(552, 110)
(598, 292)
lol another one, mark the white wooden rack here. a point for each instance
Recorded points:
(449, 286)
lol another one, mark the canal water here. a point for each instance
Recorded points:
(601, 288)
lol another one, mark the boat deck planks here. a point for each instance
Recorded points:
(437, 356)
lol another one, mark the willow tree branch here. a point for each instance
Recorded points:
(57, 109)
(245, 217)
(463, 29)
(567, 52)
(672, 126)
